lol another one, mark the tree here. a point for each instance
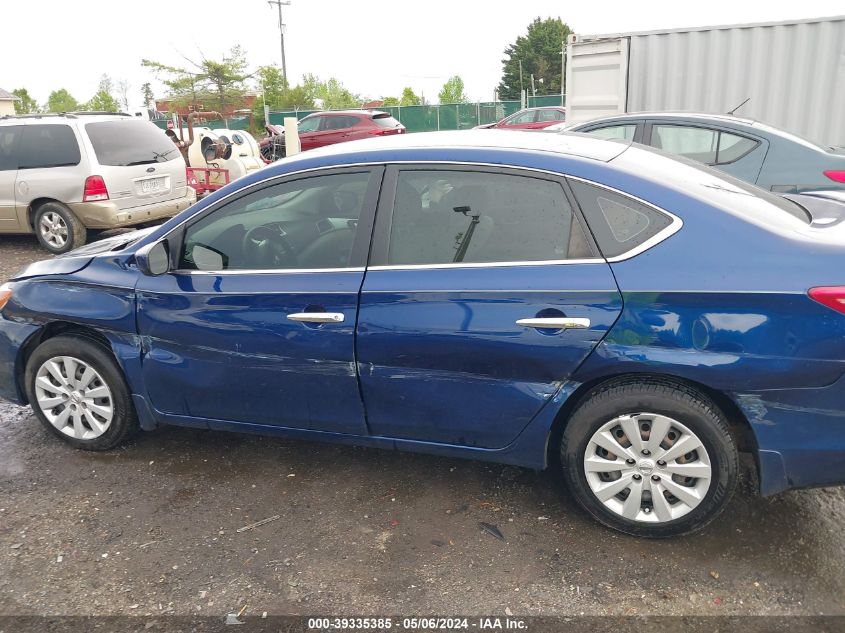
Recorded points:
(277, 94)
(331, 92)
(409, 98)
(103, 100)
(123, 93)
(147, 96)
(220, 80)
(453, 91)
(540, 53)
(391, 101)
(26, 105)
(61, 101)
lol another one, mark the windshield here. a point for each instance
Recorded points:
(127, 142)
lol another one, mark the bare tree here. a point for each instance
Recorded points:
(123, 87)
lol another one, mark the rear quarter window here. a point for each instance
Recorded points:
(621, 225)
(44, 146)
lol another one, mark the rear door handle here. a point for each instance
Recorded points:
(317, 317)
(556, 323)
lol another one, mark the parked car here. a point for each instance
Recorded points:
(327, 128)
(750, 150)
(531, 299)
(529, 119)
(62, 175)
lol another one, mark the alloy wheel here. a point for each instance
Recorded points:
(53, 229)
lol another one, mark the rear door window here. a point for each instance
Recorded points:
(550, 115)
(697, 143)
(9, 135)
(621, 225)
(47, 146)
(733, 147)
(123, 143)
(449, 217)
(521, 119)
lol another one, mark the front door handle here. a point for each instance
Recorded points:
(317, 317)
(556, 323)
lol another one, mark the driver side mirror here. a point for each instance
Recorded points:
(154, 259)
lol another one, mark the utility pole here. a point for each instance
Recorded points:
(279, 4)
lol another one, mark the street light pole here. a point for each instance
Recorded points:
(279, 4)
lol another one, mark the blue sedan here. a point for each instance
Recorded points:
(538, 300)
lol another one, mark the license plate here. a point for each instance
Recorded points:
(152, 185)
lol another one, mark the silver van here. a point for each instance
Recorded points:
(65, 174)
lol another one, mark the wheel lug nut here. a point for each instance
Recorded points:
(655, 478)
(646, 451)
(637, 477)
(630, 462)
(660, 462)
(647, 510)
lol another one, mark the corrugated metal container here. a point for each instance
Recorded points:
(793, 72)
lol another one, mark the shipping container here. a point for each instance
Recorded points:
(792, 73)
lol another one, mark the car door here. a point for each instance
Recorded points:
(256, 322)
(9, 137)
(483, 295)
(729, 150)
(309, 132)
(332, 130)
(520, 121)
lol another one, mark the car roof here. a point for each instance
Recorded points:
(578, 145)
(65, 117)
(677, 114)
(347, 113)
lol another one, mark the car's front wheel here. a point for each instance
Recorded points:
(58, 229)
(650, 457)
(77, 390)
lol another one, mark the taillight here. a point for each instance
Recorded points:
(837, 175)
(831, 296)
(95, 189)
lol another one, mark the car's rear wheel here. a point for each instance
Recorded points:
(78, 392)
(650, 457)
(58, 229)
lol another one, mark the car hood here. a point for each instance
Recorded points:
(79, 258)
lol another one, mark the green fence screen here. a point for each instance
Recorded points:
(455, 116)
(233, 123)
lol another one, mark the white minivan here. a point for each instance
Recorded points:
(62, 175)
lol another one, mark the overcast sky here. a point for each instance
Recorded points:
(374, 48)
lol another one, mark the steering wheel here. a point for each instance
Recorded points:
(266, 246)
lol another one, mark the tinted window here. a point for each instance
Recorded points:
(443, 217)
(733, 147)
(308, 223)
(8, 138)
(309, 125)
(693, 142)
(386, 121)
(339, 122)
(130, 142)
(622, 132)
(47, 146)
(618, 223)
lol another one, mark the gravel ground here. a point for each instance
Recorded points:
(152, 529)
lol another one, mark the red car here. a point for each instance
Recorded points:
(529, 119)
(328, 128)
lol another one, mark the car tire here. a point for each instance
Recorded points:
(58, 229)
(78, 391)
(637, 491)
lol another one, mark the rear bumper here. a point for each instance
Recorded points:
(106, 215)
(12, 337)
(800, 436)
